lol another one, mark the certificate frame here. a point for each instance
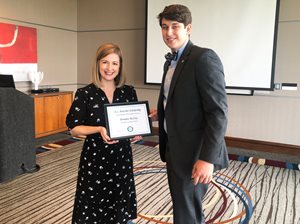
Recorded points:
(128, 119)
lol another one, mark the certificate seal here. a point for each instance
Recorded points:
(130, 129)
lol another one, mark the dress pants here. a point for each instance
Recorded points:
(186, 197)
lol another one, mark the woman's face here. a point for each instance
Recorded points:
(109, 67)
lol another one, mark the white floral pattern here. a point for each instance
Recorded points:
(105, 190)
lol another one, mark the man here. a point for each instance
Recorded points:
(192, 115)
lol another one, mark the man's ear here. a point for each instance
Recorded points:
(189, 28)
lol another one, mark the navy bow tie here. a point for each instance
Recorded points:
(171, 56)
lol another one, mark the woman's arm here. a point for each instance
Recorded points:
(85, 130)
(88, 130)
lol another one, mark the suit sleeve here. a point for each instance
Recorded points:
(211, 85)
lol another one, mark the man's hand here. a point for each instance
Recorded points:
(136, 139)
(202, 172)
(153, 115)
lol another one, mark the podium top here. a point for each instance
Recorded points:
(7, 81)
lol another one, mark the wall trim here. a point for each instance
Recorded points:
(256, 145)
(263, 146)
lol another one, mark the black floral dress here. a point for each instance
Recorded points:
(105, 186)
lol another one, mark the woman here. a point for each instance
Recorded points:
(105, 186)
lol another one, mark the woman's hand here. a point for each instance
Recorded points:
(153, 115)
(105, 137)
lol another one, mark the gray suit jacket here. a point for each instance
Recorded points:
(196, 111)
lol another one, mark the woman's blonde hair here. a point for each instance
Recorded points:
(102, 52)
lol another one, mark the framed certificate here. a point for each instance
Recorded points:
(126, 120)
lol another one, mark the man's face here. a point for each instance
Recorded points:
(174, 33)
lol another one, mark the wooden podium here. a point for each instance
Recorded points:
(17, 148)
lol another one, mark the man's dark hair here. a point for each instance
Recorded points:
(179, 13)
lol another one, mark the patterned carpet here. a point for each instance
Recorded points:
(242, 193)
(57, 144)
(248, 159)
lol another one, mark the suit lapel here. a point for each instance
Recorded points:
(166, 66)
(180, 64)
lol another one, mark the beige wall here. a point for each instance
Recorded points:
(67, 41)
(120, 22)
(56, 24)
(274, 116)
(266, 116)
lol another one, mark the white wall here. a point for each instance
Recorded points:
(267, 116)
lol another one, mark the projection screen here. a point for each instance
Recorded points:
(242, 32)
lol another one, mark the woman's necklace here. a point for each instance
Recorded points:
(109, 92)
